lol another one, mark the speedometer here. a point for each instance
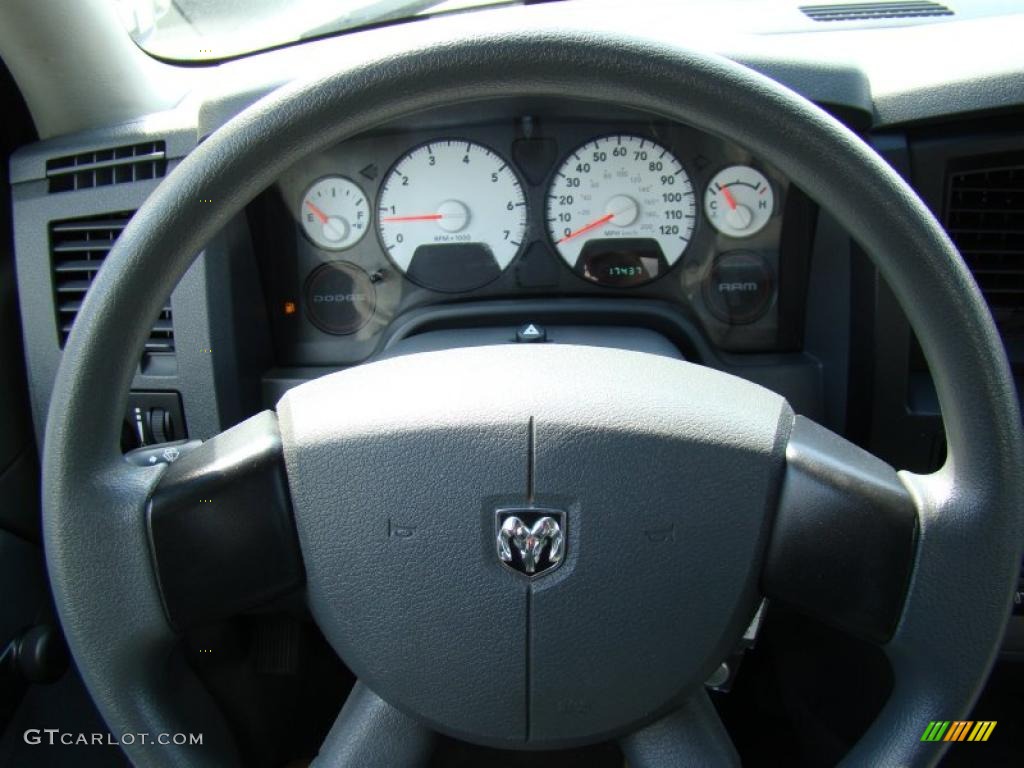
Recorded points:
(621, 210)
(452, 215)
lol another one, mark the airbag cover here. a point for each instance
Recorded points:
(663, 469)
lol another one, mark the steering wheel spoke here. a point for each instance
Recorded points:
(370, 733)
(844, 536)
(691, 735)
(221, 528)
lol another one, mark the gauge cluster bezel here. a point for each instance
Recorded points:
(534, 145)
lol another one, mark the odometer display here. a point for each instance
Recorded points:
(620, 210)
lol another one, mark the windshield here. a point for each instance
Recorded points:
(215, 29)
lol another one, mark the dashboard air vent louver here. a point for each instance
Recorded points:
(908, 9)
(77, 250)
(104, 167)
(985, 218)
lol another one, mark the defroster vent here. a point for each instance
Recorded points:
(77, 250)
(104, 167)
(907, 9)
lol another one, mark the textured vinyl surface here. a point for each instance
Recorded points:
(665, 470)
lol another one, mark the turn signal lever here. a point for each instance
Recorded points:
(152, 418)
(162, 453)
(38, 655)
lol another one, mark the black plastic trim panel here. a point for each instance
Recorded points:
(221, 528)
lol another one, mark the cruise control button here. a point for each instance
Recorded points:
(740, 286)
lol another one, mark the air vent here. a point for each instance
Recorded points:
(910, 9)
(1018, 596)
(985, 218)
(104, 167)
(77, 250)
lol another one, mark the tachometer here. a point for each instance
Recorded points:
(621, 210)
(452, 215)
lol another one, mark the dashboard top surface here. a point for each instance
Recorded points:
(888, 72)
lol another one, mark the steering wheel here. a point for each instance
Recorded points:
(681, 494)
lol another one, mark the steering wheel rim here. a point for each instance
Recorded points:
(970, 511)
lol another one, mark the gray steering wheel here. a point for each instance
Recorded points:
(684, 494)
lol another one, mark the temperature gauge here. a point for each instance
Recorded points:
(335, 213)
(739, 201)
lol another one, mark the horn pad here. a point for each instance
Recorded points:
(658, 474)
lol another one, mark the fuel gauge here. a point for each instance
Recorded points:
(739, 201)
(335, 213)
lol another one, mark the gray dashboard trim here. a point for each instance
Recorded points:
(34, 209)
(836, 85)
(83, 72)
(175, 129)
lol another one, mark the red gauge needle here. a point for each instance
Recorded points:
(424, 217)
(317, 212)
(592, 225)
(729, 198)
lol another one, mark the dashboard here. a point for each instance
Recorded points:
(532, 202)
(798, 308)
(593, 223)
(467, 222)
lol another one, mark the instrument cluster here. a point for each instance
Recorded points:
(351, 238)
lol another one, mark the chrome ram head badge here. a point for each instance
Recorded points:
(531, 541)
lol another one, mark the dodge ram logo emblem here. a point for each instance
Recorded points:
(531, 541)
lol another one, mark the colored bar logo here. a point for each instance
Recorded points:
(958, 730)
